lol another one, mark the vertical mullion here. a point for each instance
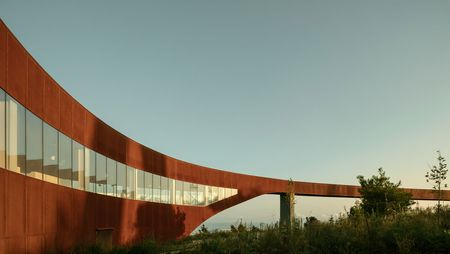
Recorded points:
(117, 179)
(57, 156)
(42, 148)
(25, 140)
(7, 106)
(71, 162)
(143, 184)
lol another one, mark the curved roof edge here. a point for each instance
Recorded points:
(23, 78)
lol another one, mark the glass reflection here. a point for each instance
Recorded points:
(156, 188)
(89, 169)
(171, 191)
(194, 193)
(2, 129)
(121, 180)
(77, 166)
(201, 195)
(148, 186)
(140, 185)
(65, 160)
(50, 154)
(164, 190)
(34, 145)
(178, 192)
(131, 183)
(208, 197)
(29, 145)
(111, 177)
(15, 138)
(186, 193)
(100, 167)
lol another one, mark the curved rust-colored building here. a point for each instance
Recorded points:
(65, 175)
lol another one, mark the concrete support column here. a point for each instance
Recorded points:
(287, 209)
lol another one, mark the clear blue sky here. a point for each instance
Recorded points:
(310, 90)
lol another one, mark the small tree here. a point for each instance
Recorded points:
(437, 176)
(311, 220)
(203, 230)
(380, 196)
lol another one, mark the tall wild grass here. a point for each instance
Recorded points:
(415, 231)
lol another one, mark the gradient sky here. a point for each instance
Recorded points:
(317, 91)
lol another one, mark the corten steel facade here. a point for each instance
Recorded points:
(38, 216)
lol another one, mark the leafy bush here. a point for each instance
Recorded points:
(381, 196)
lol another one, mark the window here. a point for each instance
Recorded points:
(15, 138)
(100, 166)
(209, 197)
(89, 169)
(34, 145)
(77, 166)
(201, 195)
(2, 129)
(215, 194)
(171, 191)
(227, 192)
(140, 185)
(194, 194)
(221, 193)
(156, 188)
(186, 193)
(121, 180)
(164, 190)
(131, 183)
(111, 172)
(178, 192)
(148, 186)
(65, 160)
(50, 154)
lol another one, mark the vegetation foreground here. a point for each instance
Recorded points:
(381, 222)
(417, 231)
